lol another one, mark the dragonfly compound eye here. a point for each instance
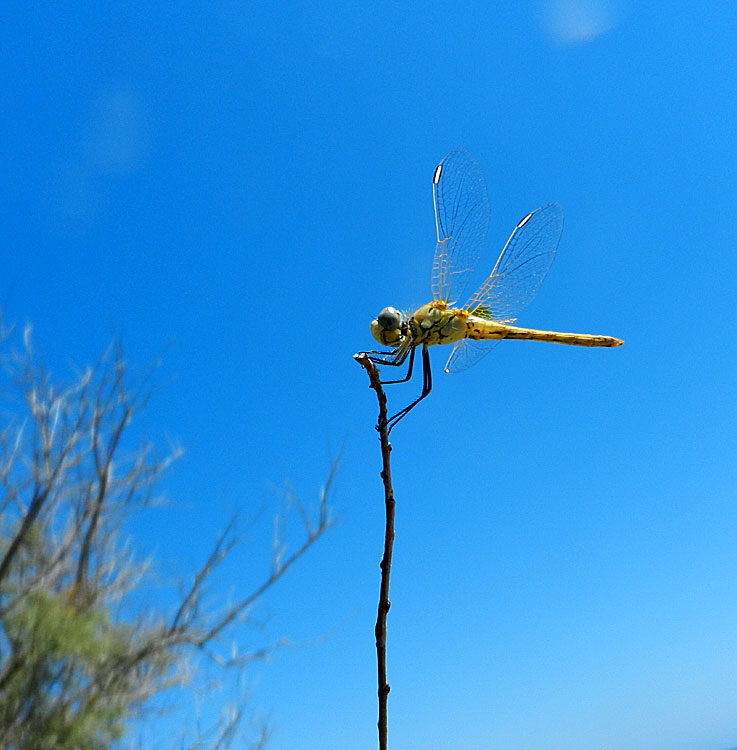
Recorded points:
(387, 328)
(389, 319)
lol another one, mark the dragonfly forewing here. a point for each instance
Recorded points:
(462, 213)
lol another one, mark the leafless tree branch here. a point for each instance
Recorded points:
(386, 560)
(67, 483)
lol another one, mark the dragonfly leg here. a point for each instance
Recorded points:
(399, 362)
(426, 388)
(395, 358)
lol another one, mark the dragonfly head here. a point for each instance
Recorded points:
(389, 328)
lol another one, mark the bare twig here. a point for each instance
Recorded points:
(311, 533)
(386, 560)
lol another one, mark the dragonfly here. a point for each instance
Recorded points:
(461, 207)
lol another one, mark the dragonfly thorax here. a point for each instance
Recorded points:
(436, 323)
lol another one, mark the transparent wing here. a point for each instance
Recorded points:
(516, 279)
(468, 352)
(522, 266)
(461, 222)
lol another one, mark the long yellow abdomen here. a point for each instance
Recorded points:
(478, 329)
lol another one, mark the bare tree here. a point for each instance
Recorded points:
(74, 672)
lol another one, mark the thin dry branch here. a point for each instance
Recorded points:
(190, 603)
(311, 533)
(386, 560)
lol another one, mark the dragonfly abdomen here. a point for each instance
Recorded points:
(480, 329)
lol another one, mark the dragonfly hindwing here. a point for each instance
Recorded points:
(481, 311)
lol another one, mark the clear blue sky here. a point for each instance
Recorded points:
(240, 187)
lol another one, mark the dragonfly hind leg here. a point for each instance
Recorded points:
(426, 388)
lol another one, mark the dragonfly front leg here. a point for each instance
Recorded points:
(397, 363)
(394, 358)
(426, 388)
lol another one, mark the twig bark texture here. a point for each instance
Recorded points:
(386, 560)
